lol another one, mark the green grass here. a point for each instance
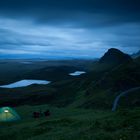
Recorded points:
(96, 90)
(76, 124)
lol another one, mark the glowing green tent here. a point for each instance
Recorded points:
(8, 114)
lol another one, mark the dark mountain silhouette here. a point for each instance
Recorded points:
(115, 56)
(135, 55)
(119, 71)
(138, 59)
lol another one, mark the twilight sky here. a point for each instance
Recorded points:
(68, 28)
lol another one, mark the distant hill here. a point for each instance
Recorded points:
(115, 56)
(112, 58)
(122, 72)
(53, 73)
(138, 59)
(135, 55)
(114, 73)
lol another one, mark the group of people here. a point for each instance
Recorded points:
(37, 114)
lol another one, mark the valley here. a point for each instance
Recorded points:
(81, 97)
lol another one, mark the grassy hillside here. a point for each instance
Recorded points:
(14, 70)
(77, 124)
(80, 106)
(95, 89)
(55, 73)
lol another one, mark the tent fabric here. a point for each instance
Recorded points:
(8, 114)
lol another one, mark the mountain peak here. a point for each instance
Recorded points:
(115, 56)
(137, 54)
(114, 50)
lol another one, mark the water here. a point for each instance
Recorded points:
(24, 83)
(77, 73)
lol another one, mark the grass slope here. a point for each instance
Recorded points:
(96, 89)
(77, 124)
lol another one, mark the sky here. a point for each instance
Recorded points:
(63, 29)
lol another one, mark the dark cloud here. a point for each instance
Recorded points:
(85, 12)
(77, 28)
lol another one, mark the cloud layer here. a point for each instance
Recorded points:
(68, 28)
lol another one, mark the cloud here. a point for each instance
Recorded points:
(68, 28)
(68, 12)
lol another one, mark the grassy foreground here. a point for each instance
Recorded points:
(76, 124)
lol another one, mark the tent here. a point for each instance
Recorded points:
(8, 114)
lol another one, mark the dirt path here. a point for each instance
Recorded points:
(116, 101)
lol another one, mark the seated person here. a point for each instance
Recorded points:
(36, 114)
(47, 113)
